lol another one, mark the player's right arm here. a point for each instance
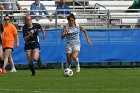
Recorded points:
(64, 33)
(27, 37)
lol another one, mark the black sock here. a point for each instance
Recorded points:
(1, 63)
(32, 69)
(39, 60)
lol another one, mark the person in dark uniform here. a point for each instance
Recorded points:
(135, 5)
(1, 51)
(32, 47)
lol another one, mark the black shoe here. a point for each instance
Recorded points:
(33, 75)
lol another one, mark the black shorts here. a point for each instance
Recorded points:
(8, 48)
(31, 46)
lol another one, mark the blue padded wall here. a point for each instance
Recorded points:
(122, 45)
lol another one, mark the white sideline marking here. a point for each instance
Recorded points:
(55, 90)
(19, 90)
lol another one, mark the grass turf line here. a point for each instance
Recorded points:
(89, 80)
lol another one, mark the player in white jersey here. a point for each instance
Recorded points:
(71, 32)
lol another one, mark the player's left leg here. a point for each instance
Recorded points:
(36, 57)
(10, 59)
(36, 53)
(39, 62)
(7, 53)
(69, 60)
(76, 60)
(69, 55)
(29, 57)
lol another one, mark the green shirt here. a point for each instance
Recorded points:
(136, 2)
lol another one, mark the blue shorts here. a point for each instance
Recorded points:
(31, 46)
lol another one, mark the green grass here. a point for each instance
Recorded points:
(89, 80)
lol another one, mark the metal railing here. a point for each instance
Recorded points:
(103, 19)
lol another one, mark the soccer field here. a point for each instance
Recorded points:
(89, 80)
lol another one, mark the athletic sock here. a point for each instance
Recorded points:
(68, 65)
(1, 63)
(32, 69)
(39, 62)
(77, 62)
(77, 65)
(13, 68)
(39, 59)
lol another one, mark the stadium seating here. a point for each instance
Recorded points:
(50, 5)
(28, 3)
(112, 5)
(124, 15)
(100, 18)
(126, 19)
(129, 23)
(59, 21)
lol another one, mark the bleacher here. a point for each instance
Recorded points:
(51, 8)
(117, 15)
(111, 5)
(60, 21)
(93, 14)
(126, 19)
(50, 5)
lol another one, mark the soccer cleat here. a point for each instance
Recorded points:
(77, 68)
(68, 66)
(32, 74)
(3, 70)
(13, 70)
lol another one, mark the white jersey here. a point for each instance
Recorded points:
(73, 34)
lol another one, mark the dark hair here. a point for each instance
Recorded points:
(7, 15)
(71, 16)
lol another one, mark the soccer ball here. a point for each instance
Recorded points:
(68, 72)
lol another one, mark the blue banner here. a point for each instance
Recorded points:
(122, 45)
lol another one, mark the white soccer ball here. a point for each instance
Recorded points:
(68, 72)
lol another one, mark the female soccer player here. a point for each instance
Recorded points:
(71, 32)
(32, 47)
